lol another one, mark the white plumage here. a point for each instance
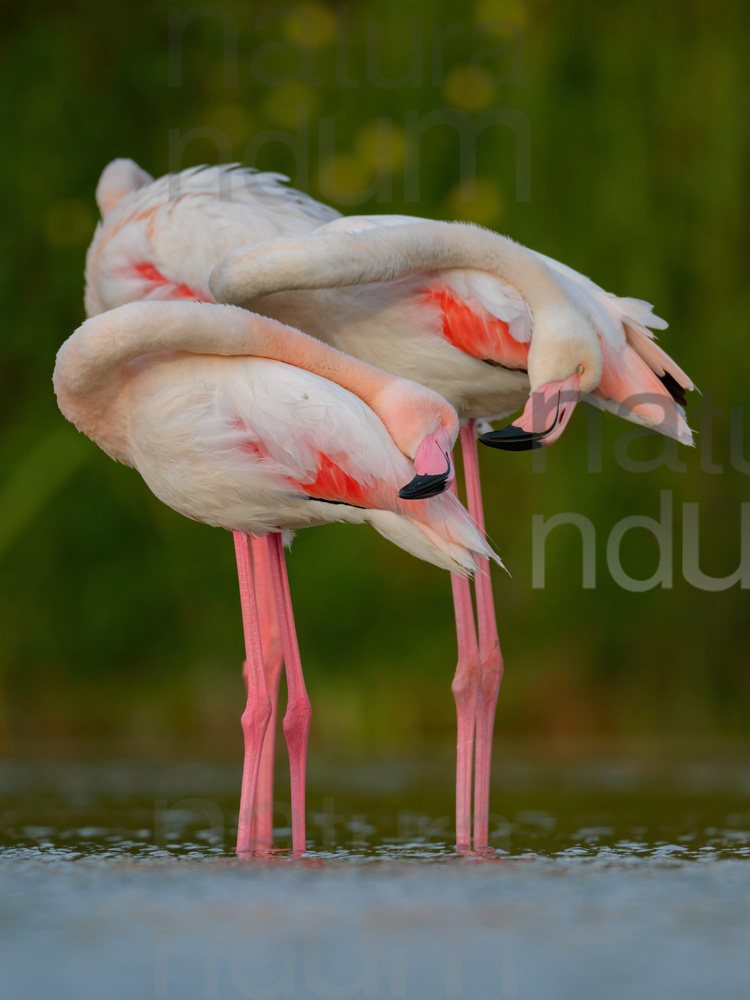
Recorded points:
(161, 239)
(210, 210)
(247, 443)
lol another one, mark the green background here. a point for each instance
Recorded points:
(120, 619)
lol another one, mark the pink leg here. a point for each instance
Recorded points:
(298, 712)
(464, 689)
(273, 659)
(490, 657)
(258, 710)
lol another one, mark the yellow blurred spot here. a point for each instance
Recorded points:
(234, 121)
(69, 222)
(310, 25)
(501, 10)
(484, 204)
(345, 173)
(281, 106)
(381, 144)
(465, 88)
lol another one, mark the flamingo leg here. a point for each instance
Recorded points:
(258, 709)
(273, 660)
(464, 689)
(298, 711)
(490, 657)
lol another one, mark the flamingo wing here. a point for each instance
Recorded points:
(332, 447)
(481, 315)
(327, 443)
(161, 240)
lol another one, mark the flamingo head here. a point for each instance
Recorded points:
(565, 359)
(425, 427)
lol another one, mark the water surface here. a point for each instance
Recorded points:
(611, 876)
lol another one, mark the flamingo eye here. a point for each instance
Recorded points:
(580, 369)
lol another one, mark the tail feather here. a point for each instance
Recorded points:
(643, 343)
(119, 178)
(634, 365)
(410, 536)
(439, 531)
(642, 384)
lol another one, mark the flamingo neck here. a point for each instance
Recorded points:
(339, 259)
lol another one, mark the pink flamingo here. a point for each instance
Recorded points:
(237, 421)
(487, 323)
(144, 231)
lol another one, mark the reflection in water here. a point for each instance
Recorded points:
(614, 879)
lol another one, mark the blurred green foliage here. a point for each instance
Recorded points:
(120, 618)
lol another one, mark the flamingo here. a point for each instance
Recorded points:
(240, 422)
(123, 265)
(489, 324)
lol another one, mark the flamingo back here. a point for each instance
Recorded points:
(161, 240)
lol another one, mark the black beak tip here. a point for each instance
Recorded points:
(513, 439)
(424, 487)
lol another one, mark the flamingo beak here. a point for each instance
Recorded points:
(558, 398)
(434, 466)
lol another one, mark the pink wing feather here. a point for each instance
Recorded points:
(640, 382)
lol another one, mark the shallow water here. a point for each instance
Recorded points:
(610, 876)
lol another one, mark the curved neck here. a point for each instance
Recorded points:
(89, 370)
(337, 259)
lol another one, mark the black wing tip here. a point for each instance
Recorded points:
(676, 391)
